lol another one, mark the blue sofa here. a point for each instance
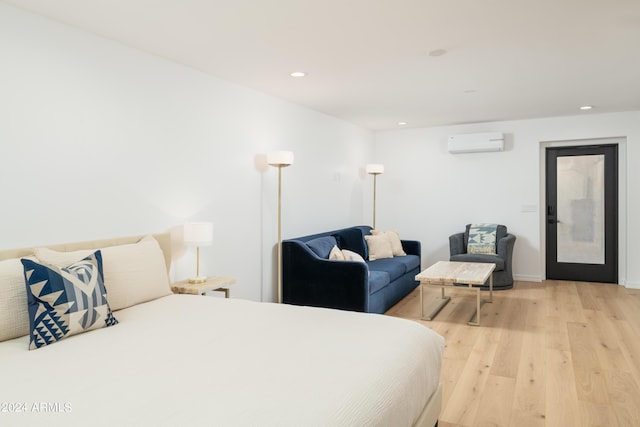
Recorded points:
(310, 278)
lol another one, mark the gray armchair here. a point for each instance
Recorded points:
(503, 274)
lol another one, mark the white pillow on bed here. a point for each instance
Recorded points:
(133, 273)
(14, 318)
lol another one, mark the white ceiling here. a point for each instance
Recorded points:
(368, 61)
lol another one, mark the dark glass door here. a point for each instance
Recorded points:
(582, 213)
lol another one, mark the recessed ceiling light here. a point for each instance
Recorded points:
(586, 107)
(298, 74)
(402, 123)
(437, 52)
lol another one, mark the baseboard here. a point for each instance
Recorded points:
(527, 278)
(632, 285)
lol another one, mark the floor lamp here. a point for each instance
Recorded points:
(280, 159)
(374, 169)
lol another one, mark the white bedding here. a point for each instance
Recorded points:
(192, 360)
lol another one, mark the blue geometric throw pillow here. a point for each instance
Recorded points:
(482, 239)
(66, 301)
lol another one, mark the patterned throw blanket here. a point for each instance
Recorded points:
(482, 239)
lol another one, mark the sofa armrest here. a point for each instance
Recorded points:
(310, 280)
(412, 247)
(505, 249)
(456, 244)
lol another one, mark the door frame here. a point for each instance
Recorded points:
(621, 142)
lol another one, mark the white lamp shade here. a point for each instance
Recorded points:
(280, 158)
(198, 233)
(375, 168)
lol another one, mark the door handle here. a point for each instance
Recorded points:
(550, 214)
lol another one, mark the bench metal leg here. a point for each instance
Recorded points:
(475, 318)
(443, 301)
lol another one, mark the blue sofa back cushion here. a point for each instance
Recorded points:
(353, 240)
(322, 246)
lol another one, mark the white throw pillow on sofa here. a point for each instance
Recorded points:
(352, 256)
(379, 247)
(394, 239)
(344, 255)
(336, 254)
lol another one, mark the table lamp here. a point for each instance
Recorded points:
(198, 234)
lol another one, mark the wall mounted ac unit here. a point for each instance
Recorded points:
(476, 142)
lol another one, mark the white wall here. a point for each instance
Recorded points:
(427, 193)
(100, 140)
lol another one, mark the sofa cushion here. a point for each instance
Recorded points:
(499, 262)
(322, 246)
(352, 239)
(410, 261)
(378, 280)
(390, 265)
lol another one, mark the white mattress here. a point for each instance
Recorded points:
(192, 360)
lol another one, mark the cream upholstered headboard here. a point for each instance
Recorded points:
(164, 239)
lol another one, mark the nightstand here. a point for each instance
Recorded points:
(219, 284)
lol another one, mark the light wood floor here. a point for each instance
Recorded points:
(546, 354)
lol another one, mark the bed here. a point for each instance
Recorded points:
(191, 360)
